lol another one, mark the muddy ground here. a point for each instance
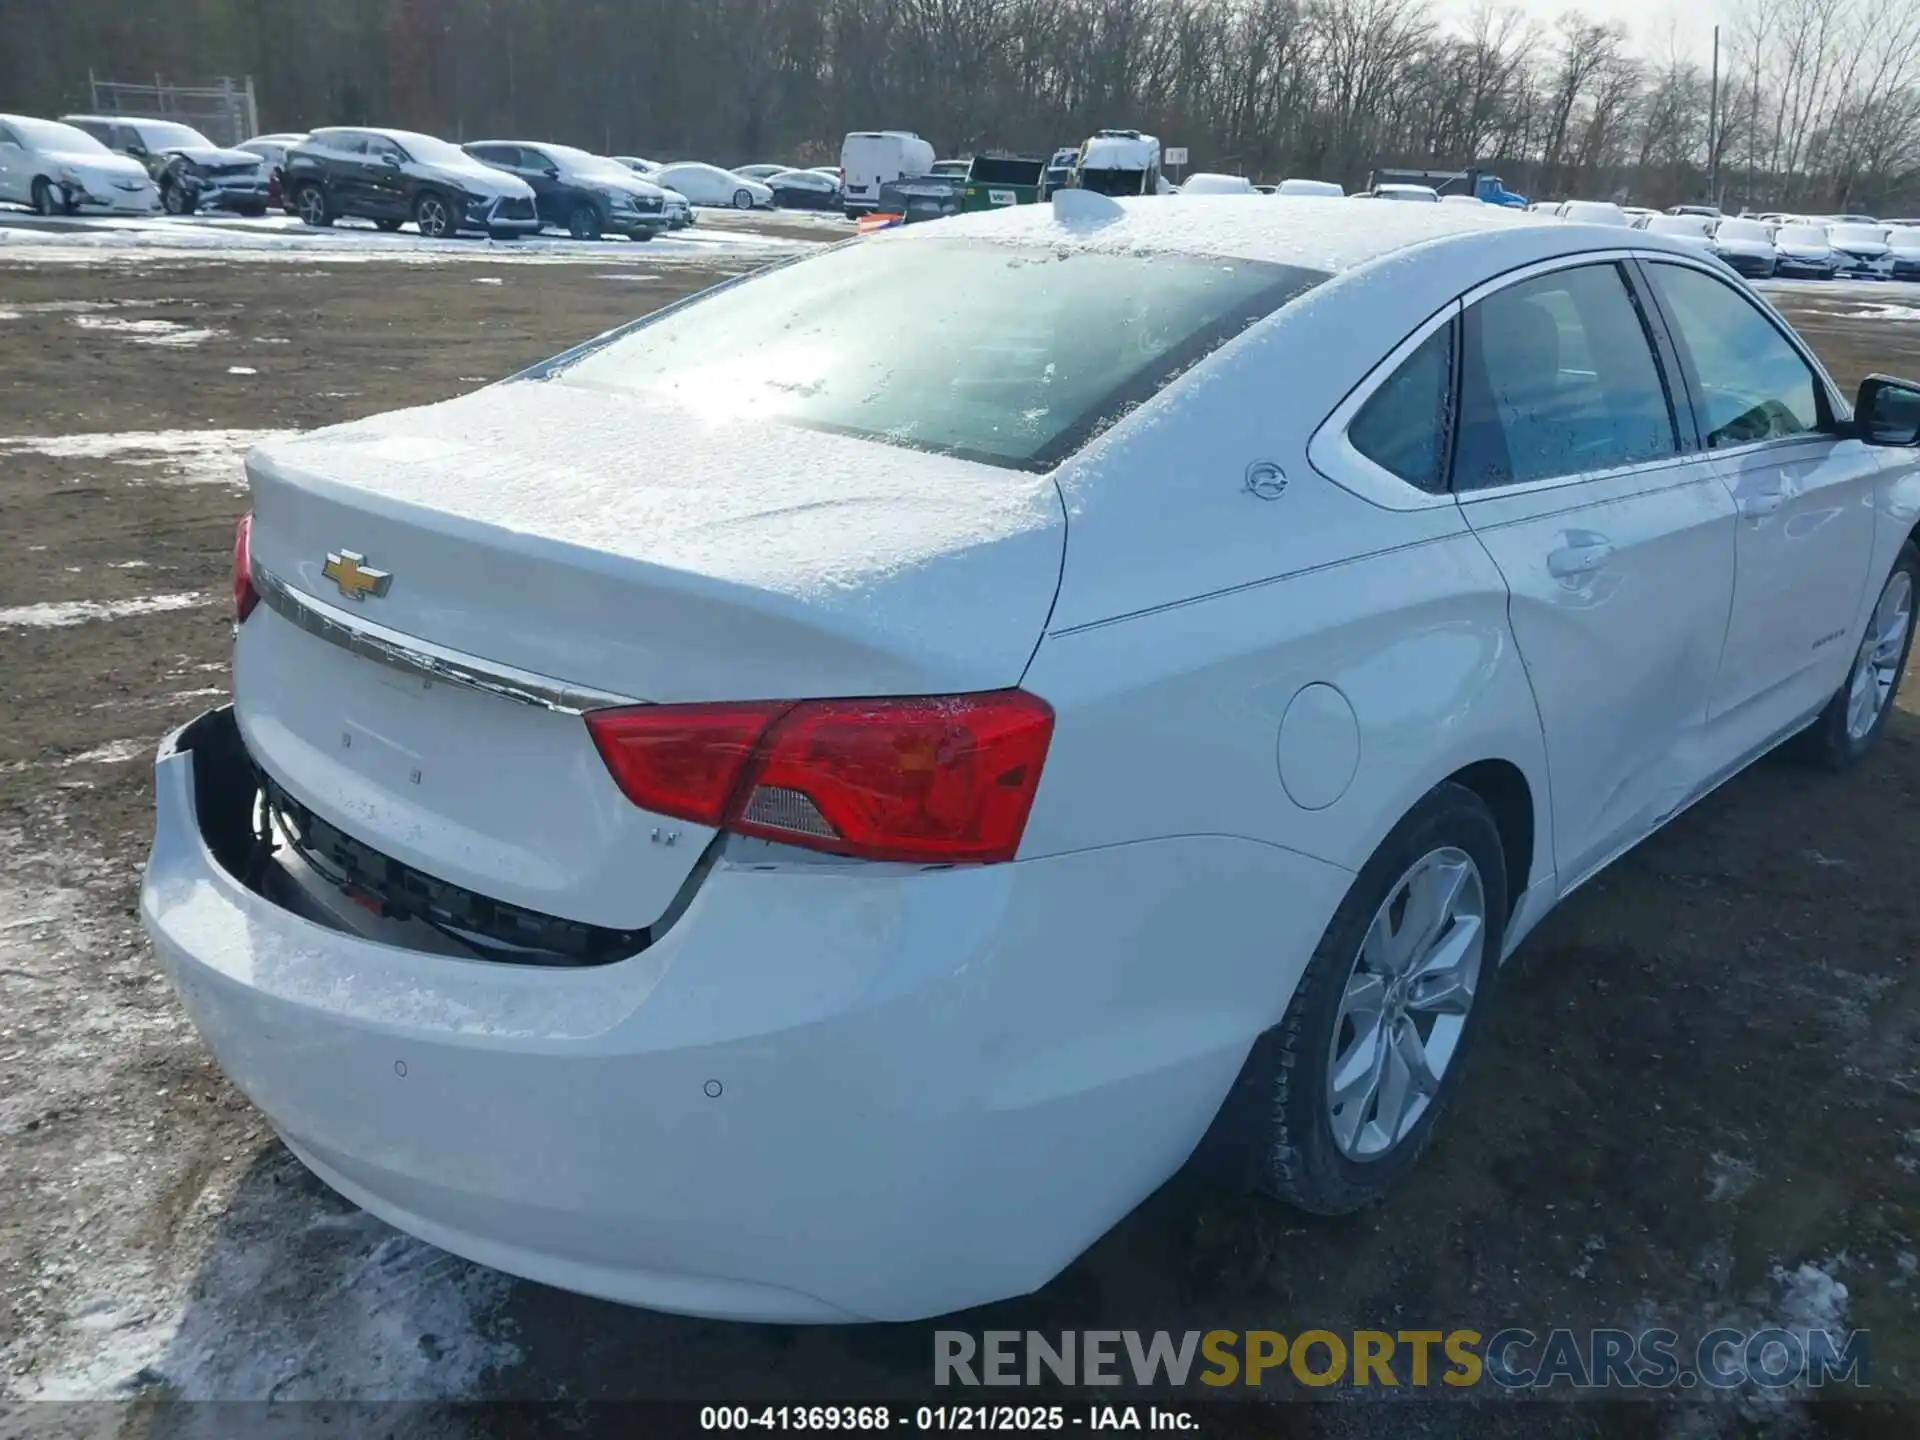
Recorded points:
(1699, 1101)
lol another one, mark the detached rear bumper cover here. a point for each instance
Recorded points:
(828, 1092)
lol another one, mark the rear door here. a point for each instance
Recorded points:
(1614, 535)
(383, 180)
(13, 166)
(1805, 501)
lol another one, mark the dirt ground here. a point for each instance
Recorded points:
(1698, 1103)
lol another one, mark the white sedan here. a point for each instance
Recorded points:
(710, 185)
(820, 880)
(60, 170)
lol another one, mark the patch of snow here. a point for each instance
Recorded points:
(11, 315)
(241, 370)
(151, 332)
(115, 752)
(1729, 1177)
(127, 564)
(54, 614)
(489, 280)
(192, 457)
(305, 1298)
(1883, 312)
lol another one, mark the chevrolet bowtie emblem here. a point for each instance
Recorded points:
(354, 576)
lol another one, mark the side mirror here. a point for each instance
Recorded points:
(1887, 411)
(138, 151)
(390, 160)
(553, 172)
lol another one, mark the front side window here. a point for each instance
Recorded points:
(1558, 377)
(1402, 427)
(1040, 348)
(1750, 383)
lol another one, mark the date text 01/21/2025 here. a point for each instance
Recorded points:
(977, 1418)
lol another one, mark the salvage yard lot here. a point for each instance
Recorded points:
(1699, 1102)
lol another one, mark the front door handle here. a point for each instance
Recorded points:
(1758, 507)
(1581, 555)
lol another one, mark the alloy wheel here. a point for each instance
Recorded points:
(1406, 1003)
(432, 218)
(173, 199)
(1876, 669)
(312, 205)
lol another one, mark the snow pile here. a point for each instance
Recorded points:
(1884, 312)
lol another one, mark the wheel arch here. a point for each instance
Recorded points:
(1505, 790)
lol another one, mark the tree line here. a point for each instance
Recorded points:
(1818, 106)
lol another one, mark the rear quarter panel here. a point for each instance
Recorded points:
(1192, 612)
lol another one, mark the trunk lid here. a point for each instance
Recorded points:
(609, 547)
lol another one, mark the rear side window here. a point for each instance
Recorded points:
(1403, 426)
(1010, 355)
(1558, 377)
(1751, 383)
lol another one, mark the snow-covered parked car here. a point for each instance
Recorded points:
(192, 172)
(1861, 250)
(1747, 246)
(1418, 194)
(1207, 183)
(61, 170)
(1299, 187)
(814, 881)
(1694, 230)
(1593, 212)
(1801, 248)
(1903, 246)
(710, 185)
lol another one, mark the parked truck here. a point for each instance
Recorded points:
(1120, 162)
(1480, 184)
(872, 158)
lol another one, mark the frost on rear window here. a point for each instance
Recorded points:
(1011, 355)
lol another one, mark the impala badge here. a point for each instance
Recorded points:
(354, 576)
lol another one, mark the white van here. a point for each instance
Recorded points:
(872, 158)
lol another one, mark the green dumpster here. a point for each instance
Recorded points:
(996, 180)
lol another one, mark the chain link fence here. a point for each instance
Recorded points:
(224, 111)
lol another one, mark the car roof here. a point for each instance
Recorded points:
(1315, 233)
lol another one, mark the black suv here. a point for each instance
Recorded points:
(393, 176)
(586, 195)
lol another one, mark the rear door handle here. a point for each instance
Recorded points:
(1582, 555)
(1758, 507)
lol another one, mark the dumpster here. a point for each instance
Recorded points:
(996, 180)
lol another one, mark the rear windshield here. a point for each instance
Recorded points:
(1858, 234)
(1006, 354)
(1741, 230)
(1803, 235)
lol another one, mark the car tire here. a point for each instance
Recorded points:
(583, 223)
(1858, 711)
(48, 198)
(743, 199)
(175, 200)
(388, 225)
(311, 205)
(1280, 1130)
(433, 216)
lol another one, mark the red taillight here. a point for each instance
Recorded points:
(927, 779)
(245, 597)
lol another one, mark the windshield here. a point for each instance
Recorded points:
(1857, 234)
(581, 163)
(430, 151)
(1048, 347)
(1803, 235)
(1904, 237)
(1741, 230)
(165, 135)
(1114, 182)
(1677, 225)
(52, 135)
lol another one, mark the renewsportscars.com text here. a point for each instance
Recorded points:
(1512, 1358)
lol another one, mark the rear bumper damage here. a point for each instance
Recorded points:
(827, 1092)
